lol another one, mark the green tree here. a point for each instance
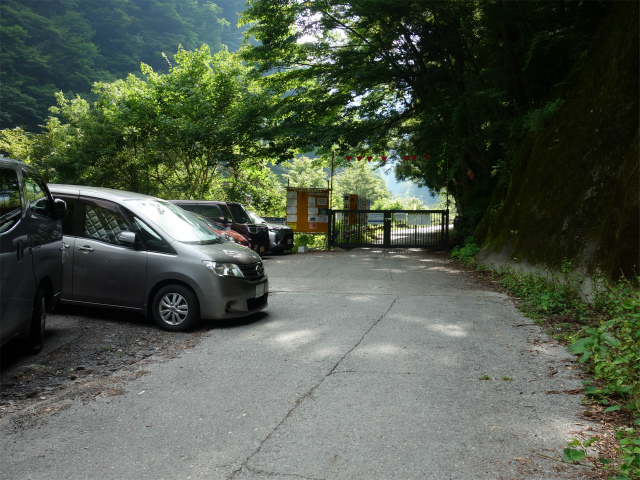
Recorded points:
(452, 80)
(361, 179)
(304, 172)
(253, 184)
(189, 133)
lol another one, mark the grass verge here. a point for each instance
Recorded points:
(604, 333)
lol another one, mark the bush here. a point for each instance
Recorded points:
(309, 240)
(466, 253)
(611, 350)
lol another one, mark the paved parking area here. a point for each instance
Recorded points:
(368, 363)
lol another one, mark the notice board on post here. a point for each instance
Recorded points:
(308, 209)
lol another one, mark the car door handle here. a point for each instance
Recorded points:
(86, 248)
(66, 245)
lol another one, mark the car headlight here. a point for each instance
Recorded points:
(223, 269)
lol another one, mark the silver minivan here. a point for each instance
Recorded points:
(30, 253)
(132, 251)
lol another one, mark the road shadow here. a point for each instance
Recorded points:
(235, 323)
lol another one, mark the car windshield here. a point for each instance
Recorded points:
(256, 219)
(240, 215)
(175, 222)
(211, 223)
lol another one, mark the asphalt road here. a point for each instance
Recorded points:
(367, 364)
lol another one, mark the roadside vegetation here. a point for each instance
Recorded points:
(310, 240)
(604, 331)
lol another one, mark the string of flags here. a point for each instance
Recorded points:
(407, 158)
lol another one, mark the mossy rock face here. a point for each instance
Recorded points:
(574, 191)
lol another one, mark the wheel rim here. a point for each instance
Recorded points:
(173, 308)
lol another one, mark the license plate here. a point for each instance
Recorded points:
(262, 248)
(259, 290)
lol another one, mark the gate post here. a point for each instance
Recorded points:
(330, 229)
(386, 229)
(446, 234)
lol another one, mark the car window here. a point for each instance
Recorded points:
(210, 211)
(151, 238)
(103, 224)
(10, 205)
(35, 193)
(189, 207)
(239, 213)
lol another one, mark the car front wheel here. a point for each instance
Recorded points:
(175, 308)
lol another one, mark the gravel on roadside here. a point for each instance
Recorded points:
(87, 353)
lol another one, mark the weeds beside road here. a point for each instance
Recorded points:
(605, 333)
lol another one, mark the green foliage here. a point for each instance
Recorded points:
(16, 143)
(310, 240)
(466, 253)
(417, 78)
(536, 119)
(304, 172)
(56, 45)
(545, 295)
(399, 203)
(189, 133)
(361, 179)
(625, 467)
(611, 350)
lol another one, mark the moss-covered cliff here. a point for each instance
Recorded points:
(575, 186)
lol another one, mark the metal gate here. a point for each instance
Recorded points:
(389, 228)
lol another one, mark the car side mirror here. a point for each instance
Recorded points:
(127, 239)
(60, 208)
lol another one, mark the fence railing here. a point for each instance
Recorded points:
(389, 228)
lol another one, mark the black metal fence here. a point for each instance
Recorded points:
(389, 228)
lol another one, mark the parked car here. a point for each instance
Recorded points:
(224, 231)
(280, 236)
(136, 252)
(234, 215)
(31, 253)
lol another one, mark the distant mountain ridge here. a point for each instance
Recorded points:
(56, 45)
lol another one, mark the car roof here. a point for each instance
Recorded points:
(98, 192)
(17, 163)
(202, 202)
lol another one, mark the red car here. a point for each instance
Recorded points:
(224, 231)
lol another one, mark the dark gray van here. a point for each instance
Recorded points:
(31, 253)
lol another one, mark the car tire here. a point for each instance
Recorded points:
(35, 340)
(175, 308)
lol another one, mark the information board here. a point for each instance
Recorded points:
(308, 209)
